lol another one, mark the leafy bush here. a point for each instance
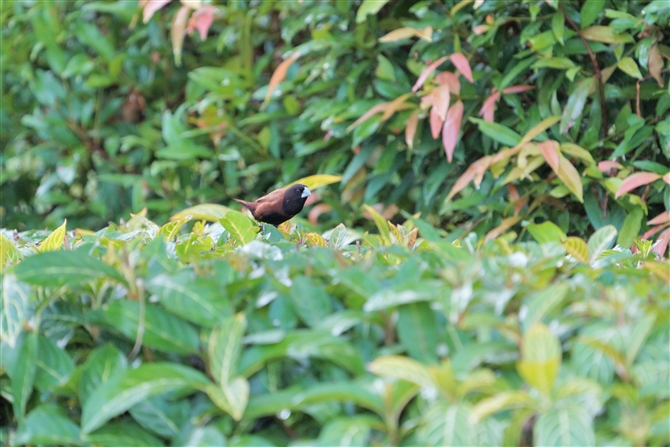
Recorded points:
(140, 336)
(562, 110)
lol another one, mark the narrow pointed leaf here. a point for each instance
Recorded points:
(462, 65)
(452, 126)
(55, 240)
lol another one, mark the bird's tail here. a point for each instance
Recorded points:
(251, 206)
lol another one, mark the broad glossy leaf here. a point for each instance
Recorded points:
(347, 431)
(240, 227)
(23, 373)
(417, 331)
(225, 344)
(590, 12)
(636, 180)
(564, 426)
(497, 132)
(8, 253)
(55, 240)
(369, 7)
(54, 365)
(55, 269)
(212, 436)
(338, 237)
(577, 248)
(315, 240)
(606, 34)
(160, 329)
(542, 303)
(631, 228)
(124, 434)
(570, 177)
(505, 400)
(16, 308)
(196, 299)
(310, 301)
(123, 391)
(47, 424)
(318, 180)
(102, 364)
(600, 241)
(205, 211)
(628, 66)
(546, 232)
(403, 368)
(446, 424)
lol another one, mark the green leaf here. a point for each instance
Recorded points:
(543, 302)
(102, 364)
(575, 104)
(196, 299)
(123, 391)
(55, 240)
(564, 426)
(506, 400)
(369, 7)
(417, 331)
(628, 66)
(497, 132)
(600, 241)
(546, 232)
(347, 431)
(47, 424)
(16, 308)
(631, 228)
(210, 436)
(606, 34)
(558, 25)
(9, 254)
(540, 358)
(337, 237)
(22, 375)
(184, 151)
(205, 211)
(382, 226)
(447, 425)
(124, 434)
(54, 365)
(161, 416)
(404, 368)
(638, 335)
(240, 227)
(590, 12)
(59, 268)
(310, 302)
(160, 329)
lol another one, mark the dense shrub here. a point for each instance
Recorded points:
(100, 121)
(225, 337)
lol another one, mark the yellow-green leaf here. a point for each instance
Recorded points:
(570, 177)
(577, 248)
(8, 253)
(381, 224)
(55, 240)
(600, 241)
(315, 240)
(540, 358)
(239, 226)
(205, 211)
(628, 66)
(605, 34)
(538, 129)
(318, 180)
(404, 368)
(171, 229)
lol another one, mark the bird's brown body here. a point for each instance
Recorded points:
(280, 205)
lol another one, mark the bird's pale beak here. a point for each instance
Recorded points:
(306, 193)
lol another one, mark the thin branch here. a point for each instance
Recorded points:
(596, 68)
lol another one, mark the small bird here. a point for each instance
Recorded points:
(280, 205)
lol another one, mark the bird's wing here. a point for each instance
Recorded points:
(274, 197)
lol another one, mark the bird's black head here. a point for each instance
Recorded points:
(294, 198)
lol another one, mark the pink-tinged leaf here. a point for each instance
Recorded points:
(507, 153)
(655, 64)
(410, 128)
(634, 180)
(450, 79)
(280, 74)
(518, 89)
(395, 105)
(435, 123)
(512, 191)
(488, 108)
(480, 29)
(427, 71)
(475, 169)
(518, 206)
(201, 20)
(378, 108)
(666, 178)
(150, 8)
(318, 210)
(462, 65)
(178, 31)
(426, 101)
(441, 100)
(662, 243)
(452, 125)
(549, 151)
(505, 225)
(607, 165)
(652, 231)
(660, 219)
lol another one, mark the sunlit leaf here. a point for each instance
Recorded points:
(205, 211)
(317, 181)
(410, 128)
(369, 7)
(404, 368)
(540, 358)
(606, 34)
(55, 240)
(549, 150)
(239, 226)
(628, 66)
(427, 72)
(600, 241)
(636, 180)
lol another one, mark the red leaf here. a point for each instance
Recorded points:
(280, 74)
(450, 79)
(452, 125)
(475, 169)
(178, 31)
(655, 64)
(660, 219)
(518, 88)
(441, 100)
(480, 29)
(635, 180)
(410, 128)
(607, 165)
(201, 20)
(462, 65)
(427, 71)
(435, 123)
(662, 243)
(549, 151)
(377, 108)
(652, 231)
(512, 191)
(315, 212)
(488, 108)
(150, 8)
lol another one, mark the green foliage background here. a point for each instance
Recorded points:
(143, 333)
